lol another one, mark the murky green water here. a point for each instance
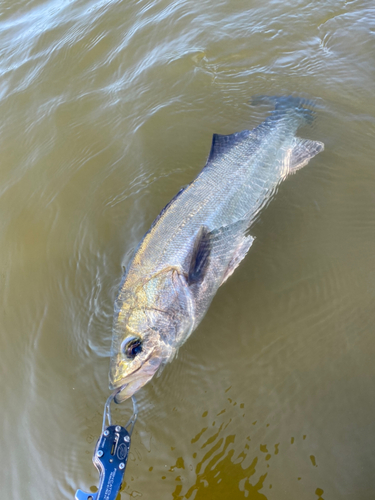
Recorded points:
(107, 108)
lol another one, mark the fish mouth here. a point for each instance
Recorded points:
(127, 390)
(126, 386)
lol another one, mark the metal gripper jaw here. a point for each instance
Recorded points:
(110, 458)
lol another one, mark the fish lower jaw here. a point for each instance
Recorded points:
(119, 390)
(118, 383)
(113, 387)
(128, 389)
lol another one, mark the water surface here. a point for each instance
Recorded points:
(107, 109)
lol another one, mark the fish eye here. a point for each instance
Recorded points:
(131, 346)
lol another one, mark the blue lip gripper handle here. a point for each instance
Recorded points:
(110, 458)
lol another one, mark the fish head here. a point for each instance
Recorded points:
(149, 326)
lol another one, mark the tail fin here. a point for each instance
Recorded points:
(301, 106)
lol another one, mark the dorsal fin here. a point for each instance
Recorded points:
(221, 143)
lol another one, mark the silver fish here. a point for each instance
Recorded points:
(198, 240)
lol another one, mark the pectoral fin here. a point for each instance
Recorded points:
(200, 256)
(300, 153)
(239, 254)
(224, 248)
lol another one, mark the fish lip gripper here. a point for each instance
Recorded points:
(110, 458)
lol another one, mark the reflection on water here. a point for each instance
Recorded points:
(108, 108)
(222, 461)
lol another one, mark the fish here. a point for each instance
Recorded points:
(198, 240)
